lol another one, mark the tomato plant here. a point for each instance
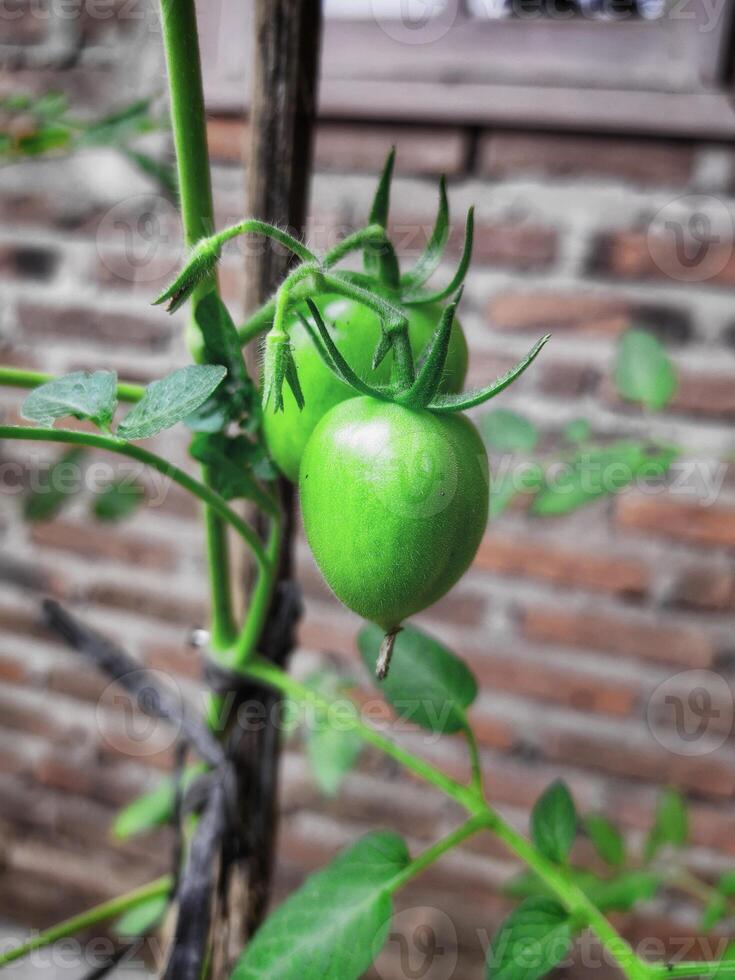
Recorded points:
(356, 332)
(394, 486)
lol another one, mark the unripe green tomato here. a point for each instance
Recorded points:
(394, 503)
(355, 330)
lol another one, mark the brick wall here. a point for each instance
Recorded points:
(571, 624)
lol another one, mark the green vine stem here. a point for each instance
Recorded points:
(21, 378)
(201, 490)
(707, 970)
(100, 913)
(574, 900)
(183, 63)
(431, 854)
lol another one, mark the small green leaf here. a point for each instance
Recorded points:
(594, 473)
(607, 839)
(619, 894)
(643, 371)
(670, 826)
(336, 923)
(332, 745)
(428, 685)
(82, 394)
(52, 137)
(119, 126)
(508, 431)
(45, 503)
(726, 884)
(118, 500)
(237, 463)
(141, 918)
(713, 914)
(531, 942)
(554, 822)
(507, 486)
(578, 430)
(170, 400)
(154, 808)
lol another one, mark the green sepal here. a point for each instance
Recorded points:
(381, 261)
(468, 399)
(331, 355)
(201, 262)
(418, 299)
(279, 366)
(428, 262)
(431, 372)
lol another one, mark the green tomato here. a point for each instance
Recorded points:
(394, 503)
(355, 330)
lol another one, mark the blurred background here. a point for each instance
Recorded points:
(597, 141)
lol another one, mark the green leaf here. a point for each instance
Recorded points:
(332, 745)
(141, 918)
(726, 884)
(713, 914)
(154, 808)
(161, 171)
(119, 126)
(619, 894)
(43, 504)
(238, 397)
(336, 923)
(463, 400)
(82, 394)
(52, 137)
(594, 473)
(670, 826)
(554, 822)
(506, 430)
(428, 685)
(510, 484)
(643, 371)
(578, 430)
(170, 400)
(118, 500)
(531, 942)
(236, 465)
(607, 839)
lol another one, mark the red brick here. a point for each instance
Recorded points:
(710, 395)
(526, 558)
(622, 637)
(632, 255)
(23, 23)
(565, 379)
(358, 148)
(555, 684)
(144, 602)
(41, 321)
(708, 527)
(100, 543)
(652, 764)
(653, 163)
(515, 245)
(587, 313)
(704, 589)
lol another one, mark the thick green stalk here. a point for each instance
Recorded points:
(100, 913)
(181, 45)
(201, 490)
(569, 895)
(21, 378)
